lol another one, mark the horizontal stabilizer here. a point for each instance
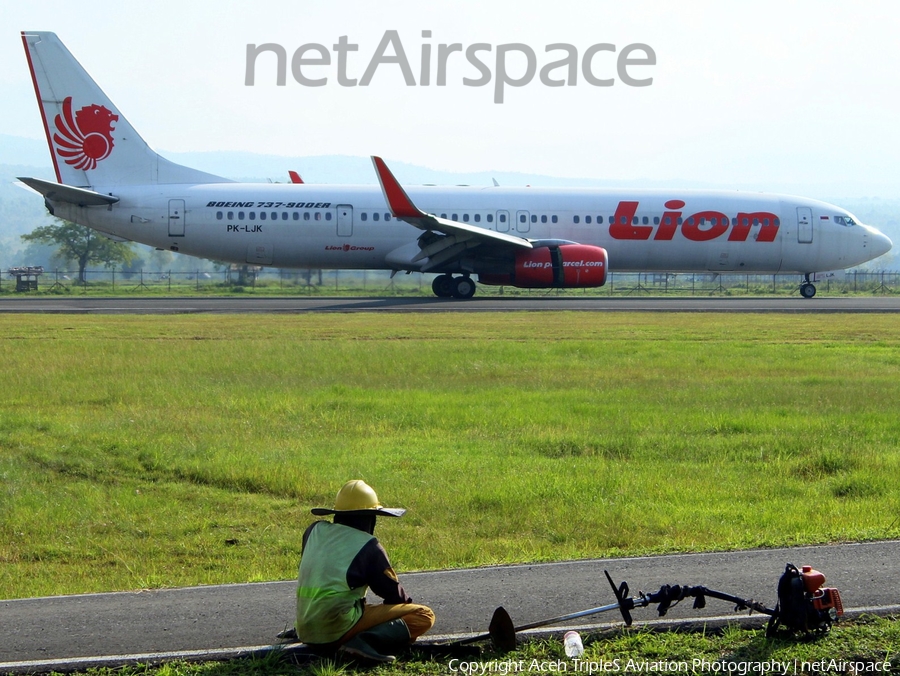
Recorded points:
(57, 192)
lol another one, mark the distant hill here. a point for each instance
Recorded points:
(342, 169)
(345, 169)
(21, 211)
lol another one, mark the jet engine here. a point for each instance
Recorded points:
(563, 266)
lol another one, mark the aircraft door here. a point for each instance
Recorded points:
(502, 221)
(804, 225)
(344, 220)
(176, 218)
(523, 221)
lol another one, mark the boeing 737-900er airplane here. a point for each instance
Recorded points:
(109, 179)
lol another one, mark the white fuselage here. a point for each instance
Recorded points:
(350, 227)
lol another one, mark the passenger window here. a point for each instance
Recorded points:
(576, 219)
(252, 215)
(305, 215)
(455, 217)
(296, 215)
(656, 220)
(274, 215)
(490, 218)
(284, 215)
(503, 218)
(387, 217)
(544, 218)
(533, 218)
(218, 215)
(375, 216)
(262, 215)
(363, 216)
(478, 218)
(318, 216)
(240, 215)
(327, 215)
(230, 215)
(646, 220)
(587, 219)
(521, 218)
(466, 218)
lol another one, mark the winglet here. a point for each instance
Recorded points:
(295, 177)
(394, 194)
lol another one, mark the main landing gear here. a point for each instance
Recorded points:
(807, 288)
(448, 286)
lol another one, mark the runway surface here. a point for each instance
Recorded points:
(300, 304)
(224, 621)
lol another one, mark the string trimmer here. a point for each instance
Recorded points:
(804, 605)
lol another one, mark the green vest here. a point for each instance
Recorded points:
(326, 607)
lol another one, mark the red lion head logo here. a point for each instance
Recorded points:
(85, 138)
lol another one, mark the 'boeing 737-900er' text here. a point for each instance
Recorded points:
(109, 179)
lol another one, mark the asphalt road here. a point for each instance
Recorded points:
(301, 304)
(222, 621)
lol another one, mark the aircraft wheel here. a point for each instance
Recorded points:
(807, 290)
(443, 286)
(463, 287)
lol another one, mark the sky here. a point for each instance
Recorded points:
(743, 94)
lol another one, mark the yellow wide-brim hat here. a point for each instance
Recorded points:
(358, 497)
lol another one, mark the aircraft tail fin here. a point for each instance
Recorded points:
(91, 142)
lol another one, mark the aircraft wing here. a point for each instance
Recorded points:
(450, 239)
(58, 192)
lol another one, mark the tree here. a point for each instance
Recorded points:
(81, 244)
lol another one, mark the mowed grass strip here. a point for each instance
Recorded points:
(160, 451)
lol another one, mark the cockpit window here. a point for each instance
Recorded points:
(844, 220)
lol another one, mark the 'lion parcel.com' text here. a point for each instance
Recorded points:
(695, 666)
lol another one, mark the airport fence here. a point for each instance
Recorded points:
(374, 283)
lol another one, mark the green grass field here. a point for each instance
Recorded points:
(155, 451)
(869, 645)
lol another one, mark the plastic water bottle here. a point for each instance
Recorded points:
(572, 644)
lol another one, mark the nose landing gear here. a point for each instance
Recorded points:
(807, 288)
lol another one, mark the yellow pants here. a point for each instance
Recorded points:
(418, 619)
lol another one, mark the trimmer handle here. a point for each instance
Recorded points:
(625, 603)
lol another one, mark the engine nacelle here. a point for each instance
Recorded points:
(564, 266)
